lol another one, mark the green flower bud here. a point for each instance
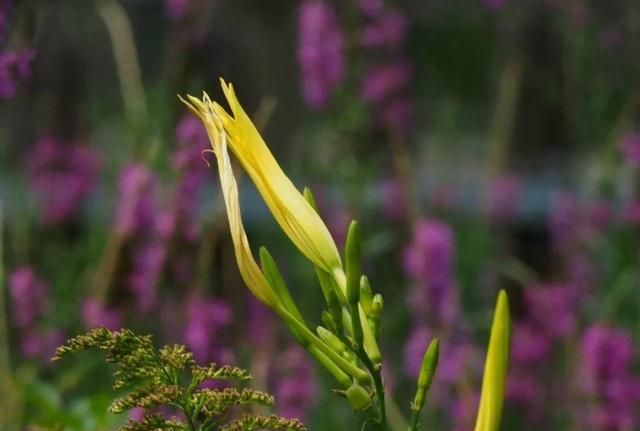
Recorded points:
(308, 195)
(427, 371)
(353, 250)
(335, 309)
(327, 320)
(495, 368)
(332, 340)
(366, 295)
(358, 397)
(377, 306)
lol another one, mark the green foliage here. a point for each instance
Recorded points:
(169, 377)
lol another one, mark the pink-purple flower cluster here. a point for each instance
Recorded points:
(549, 318)
(62, 176)
(294, 386)
(30, 302)
(428, 261)
(609, 380)
(503, 199)
(137, 222)
(96, 314)
(320, 52)
(385, 85)
(208, 321)
(15, 66)
(176, 10)
(136, 206)
(630, 147)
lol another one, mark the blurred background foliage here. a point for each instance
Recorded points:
(482, 144)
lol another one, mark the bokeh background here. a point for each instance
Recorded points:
(482, 144)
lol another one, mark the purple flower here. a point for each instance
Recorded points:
(147, 265)
(385, 85)
(135, 207)
(630, 147)
(414, 350)
(371, 8)
(464, 411)
(42, 344)
(607, 356)
(182, 218)
(503, 199)
(295, 387)
(525, 388)
(606, 353)
(14, 66)
(631, 213)
(176, 9)
(5, 9)
(457, 356)
(429, 261)
(260, 322)
(95, 315)
(320, 52)
(529, 345)
(553, 309)
(564, 219)
(397, 114)
(207, 322)
(29, 296)
(385, 80)
(494, 4)
(610, 38)
(600, 214)
(394, 199)
(387, 30)
(62, 176)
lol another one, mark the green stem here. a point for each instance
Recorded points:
(378, 385)
(415, 420)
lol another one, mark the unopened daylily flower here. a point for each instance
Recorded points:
(212, 116)
(249, 269)
(293, 213)
(495, 369)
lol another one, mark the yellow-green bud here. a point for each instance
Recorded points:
(358, 397)
(353, 251)
(332, 340)
(366, 295)
(308, 195)
(427, 371)
(327, 320)
(377, 306)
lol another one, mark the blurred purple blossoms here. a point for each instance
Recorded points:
(204, 334)
(30, 303)
(62, 175)
(294, 386)
(613, 389)
(320, 52)
(385, 85)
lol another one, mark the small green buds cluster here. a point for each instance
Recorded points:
(351, 324)
(170, 377)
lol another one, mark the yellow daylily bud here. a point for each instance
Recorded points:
(249, 269)
(495, 369)
(293, 213)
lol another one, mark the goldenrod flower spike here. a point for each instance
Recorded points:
(249, 269)
(293, 213)
(495, 369)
